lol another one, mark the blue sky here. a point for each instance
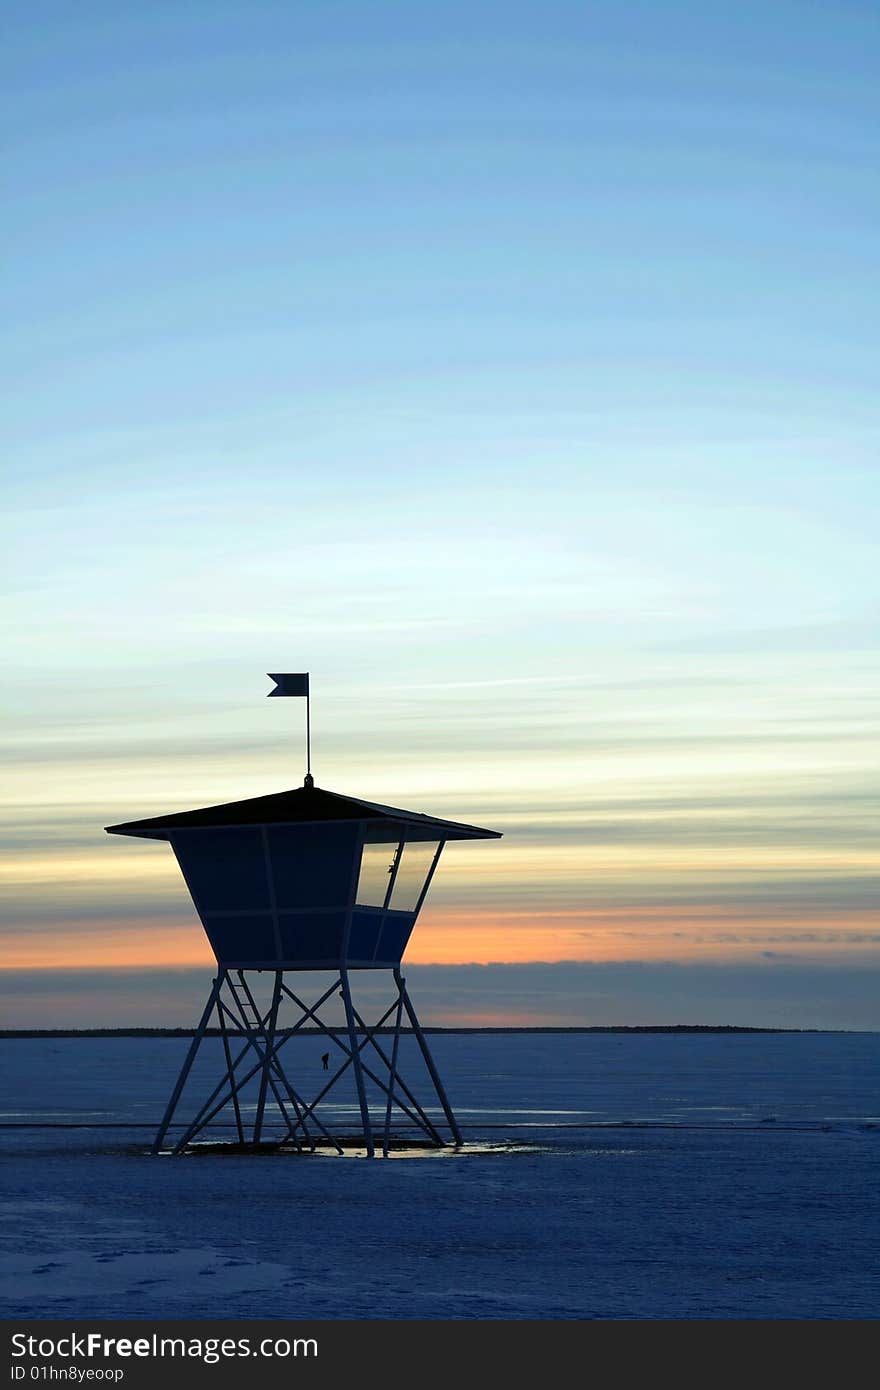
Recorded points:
(514, 370)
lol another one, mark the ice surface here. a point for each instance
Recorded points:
(661, 1176)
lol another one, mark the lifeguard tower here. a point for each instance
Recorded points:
(306, 880)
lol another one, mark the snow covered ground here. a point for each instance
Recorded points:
(635, 1176)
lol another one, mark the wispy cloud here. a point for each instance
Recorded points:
(557, 474)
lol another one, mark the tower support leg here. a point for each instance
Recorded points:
(392, 1074)
(190, 1058)
(262, 1034)
(217, 1100)
(230, 1072)
(429, 1060)
(394, 1077)
(277, 1074)
(268, 1030)
(357, 1063)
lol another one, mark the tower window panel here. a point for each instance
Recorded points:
(312, 864)
(225, 869)
(364, 936)
(377, 866)
(243, 938)
(395, 935)
(312, 936)
(413, 869)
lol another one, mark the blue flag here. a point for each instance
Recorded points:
(290, 684)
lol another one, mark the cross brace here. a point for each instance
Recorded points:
(253, 1036)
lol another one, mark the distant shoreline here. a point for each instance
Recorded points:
(697, 1028)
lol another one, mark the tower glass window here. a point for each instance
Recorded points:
(377, 865)
(413, 869)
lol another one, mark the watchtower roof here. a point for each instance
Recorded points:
(305, 805)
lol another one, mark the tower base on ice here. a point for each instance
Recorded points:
(261, 1096)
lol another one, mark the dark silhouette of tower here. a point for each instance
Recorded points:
(306, 880)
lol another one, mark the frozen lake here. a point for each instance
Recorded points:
(662, 1176)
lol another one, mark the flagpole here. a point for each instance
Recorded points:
(297, 683)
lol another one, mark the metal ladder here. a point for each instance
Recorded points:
(255, 1030)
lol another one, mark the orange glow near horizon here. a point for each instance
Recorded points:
(155, 947)
(458, 937)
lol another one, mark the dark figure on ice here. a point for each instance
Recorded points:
(325, 1060)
